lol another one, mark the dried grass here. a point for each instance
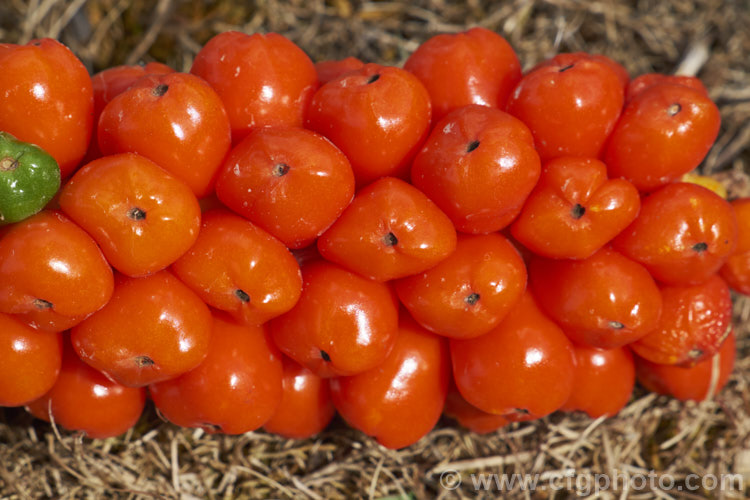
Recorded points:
(158, 460)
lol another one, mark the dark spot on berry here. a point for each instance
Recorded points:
(472, 299)
(374, 78)
(9, 164)
(143, 361)
(242, 295)
(674, 109)
(42, 304)
(565, 68)
(160, 90)
(280, 169)
(136, 213)
(695, 353)
(521, 411)
(616, 325)
(390, 240)
(700, 247)
(472, 146)
(325, 356)
(577, 211)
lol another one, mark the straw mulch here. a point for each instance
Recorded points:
(707, 37)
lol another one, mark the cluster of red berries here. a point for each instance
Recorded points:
(265, 241)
